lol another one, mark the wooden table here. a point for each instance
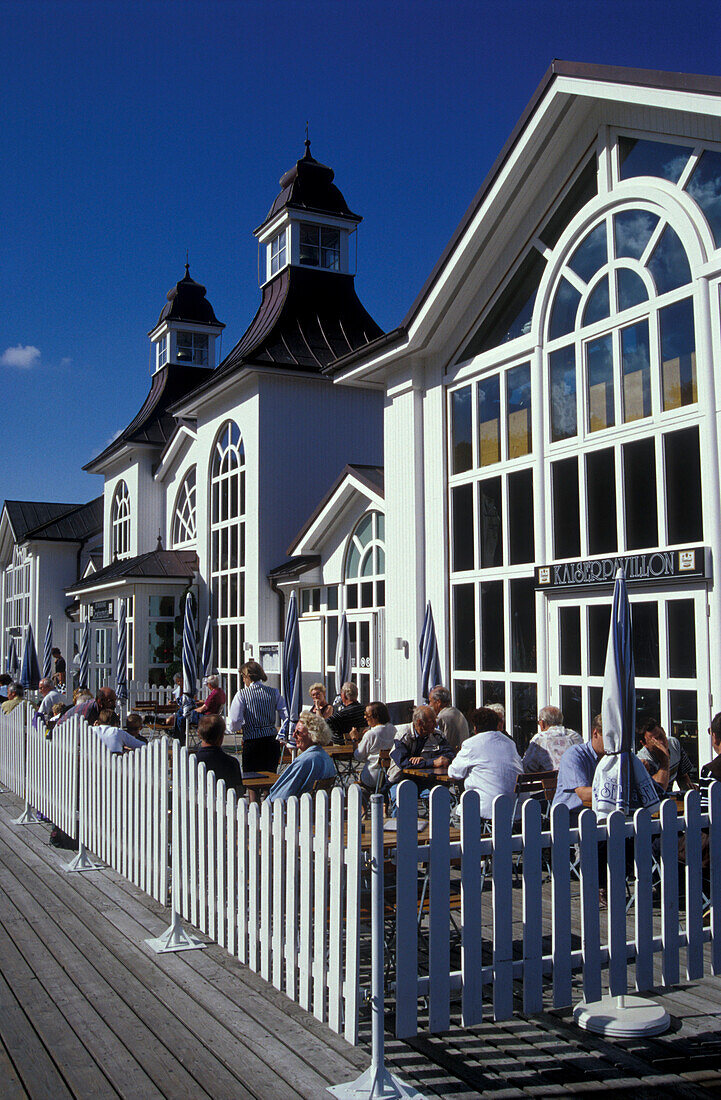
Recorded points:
(342, 757)
(263, 782)
(438, 775)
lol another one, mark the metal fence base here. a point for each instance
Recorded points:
(82, 862)
(376, 1084)
(622, 1017)
(28, 817)
(175, 938)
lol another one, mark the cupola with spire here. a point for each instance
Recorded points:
(187, 328)
(309, 224)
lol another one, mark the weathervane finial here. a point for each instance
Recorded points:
(307, 141)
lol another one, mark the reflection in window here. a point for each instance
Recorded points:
(493, 691)
(639, 493)
(489, 500)
(632, 230)
(464, 696)
(591, 254)
(652, 158)
(563, 393)
(599, 380)
(463, 539)
(492, 626)
(599, 620)
(669, 263)
(524, 700)
(684, 721)
(462, 452)
(569, 625)
(565, 306)
(523, 625)
(464, 627)
(578, 194)
(678, 355)
(636, 370)
(644, 617)
(601, 501)
(571, 706)
(512, 314)
(681, 618)
(566, 522)
(520, 517)
(518, 398)
(682, 466)
(648, 705)
(489, 420)
(705, 188)
(631, 289)
(598, 306)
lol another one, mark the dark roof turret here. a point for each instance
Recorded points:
(308, 185)
(187, 302)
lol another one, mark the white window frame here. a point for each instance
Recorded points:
(120, 521)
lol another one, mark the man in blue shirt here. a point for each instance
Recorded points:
(575, 771)
(312, 763)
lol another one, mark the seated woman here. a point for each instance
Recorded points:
(380, 735)
(321, 706)
(215, 700)
(311, 764)
(107, 728)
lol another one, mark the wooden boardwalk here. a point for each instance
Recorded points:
(88, 1010)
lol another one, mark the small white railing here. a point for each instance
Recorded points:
(12, 750)
(278, 885)
(642, 860)
(51, 770)
(154, 694)
(124, 810)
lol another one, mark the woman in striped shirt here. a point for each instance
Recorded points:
(254, 711)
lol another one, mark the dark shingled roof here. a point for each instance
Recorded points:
(154, 424)
(309, 186)
(294, 568)
(187, 302)
(34, 519)
(158, 564)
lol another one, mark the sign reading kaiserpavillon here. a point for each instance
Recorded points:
(659, 565)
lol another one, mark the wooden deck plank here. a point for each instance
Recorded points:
(12, 1085)
(33, 1064)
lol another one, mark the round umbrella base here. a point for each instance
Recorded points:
(622, 1017)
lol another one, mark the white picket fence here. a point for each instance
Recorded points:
(124, 805)
(12, 750)
(148, 693)
(51, 771)
(602, 950)
(277, 885)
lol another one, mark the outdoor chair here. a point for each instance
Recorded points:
(324, 784)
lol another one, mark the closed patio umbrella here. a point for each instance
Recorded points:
(84, 667)
(29, 669)
(47, 650)
(342, 655)
(431, 675)
(190, 661)
(12, 664)
(121, 671)
(208, 646)
(290, 680)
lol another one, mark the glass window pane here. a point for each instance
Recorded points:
(571, 706)
(367, 594)
(332, 597)
(462, 448)
(565, 306)
(464, 627)
(569, 627)
(380, 561)
(580, 192)
(380, 593)
(631, 288)
(632, 230)
(518, 400)
(681, 618)
(639, 494)
(353, 561)
(489, 420)
(563, 393)
(598, 305)
(512, 314)
(491, 519)
(464, 695)
(364, 530)
(351, 596)
(684, 722)
(566, 521)
(595, 698)
(524, 714)
(591, 254)
(493, 691)
(648, 705)
(523, 625)
(601, 502)
(463, 539)
(599, 379)
(639, 157)
(521, 542)
(599, 621)
(705, 187)
(367, 566)
(678, 355)
(669, 263)
(492, 626)
(636, 369)
(682, 461)
(644, 617)
(332, 638)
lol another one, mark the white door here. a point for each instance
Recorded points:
(366, 644)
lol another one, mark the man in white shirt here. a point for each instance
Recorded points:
(49, 697)
(549, 744)
(488, 761)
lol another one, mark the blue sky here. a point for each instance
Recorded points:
(135, 131)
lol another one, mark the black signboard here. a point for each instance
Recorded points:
(102, 611)
(652, 568)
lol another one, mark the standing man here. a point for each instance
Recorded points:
(59, 674)
(449, 719)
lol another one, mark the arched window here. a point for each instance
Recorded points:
(227, 549)
(184, 525)
(365, 563)
(120, 521)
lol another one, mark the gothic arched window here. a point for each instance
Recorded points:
(184, 524)
(227, 549)
(120, 521)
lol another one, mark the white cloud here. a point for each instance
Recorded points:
(65, 361)
(20, 356)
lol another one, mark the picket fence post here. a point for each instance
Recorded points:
(28, 816)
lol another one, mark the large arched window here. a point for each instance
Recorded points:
(120, 521)
(365, 563)
(227, 549)
(184, 525)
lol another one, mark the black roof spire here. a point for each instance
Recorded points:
(308, 185)
(187, 302)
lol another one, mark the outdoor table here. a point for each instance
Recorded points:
(256, 783)
(433, 776)
(342, 757)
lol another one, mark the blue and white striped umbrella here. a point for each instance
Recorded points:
(12, 664)
(121, 672)
(190, 659)
(47, 650)
(208, 645)
(290, 680)
(431, 675)
(29, 669)
(620, 781)
(342, 656)
(84, 667)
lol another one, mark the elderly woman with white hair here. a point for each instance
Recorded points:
(311, 764)
(215, 699)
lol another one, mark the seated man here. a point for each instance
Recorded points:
(347, 715)
(311, 763)
(418, 745)
(49, 696)
(663, 757)
(576, 770)
(211, 731)
(549, 744)
(449, 719)
(107, 728)
(488, 761)
(88, 708)
(15, 697)
(712, 770)
(134, 726)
